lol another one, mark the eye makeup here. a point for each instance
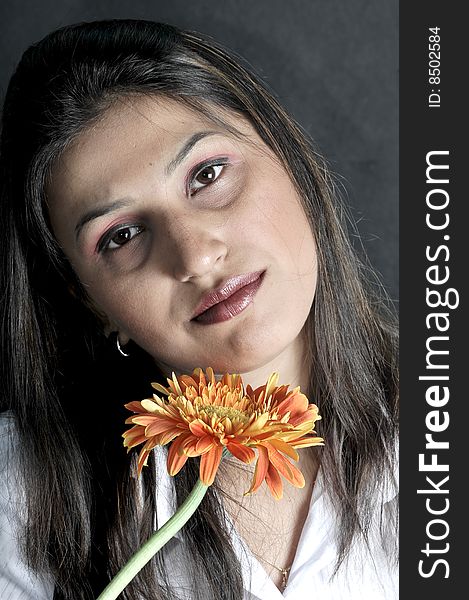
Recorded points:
(199, 168)
(106, 240)
(224, 191)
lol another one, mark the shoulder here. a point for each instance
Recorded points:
(7, 427)
(9, 472)
(9, 447)
(7, 432)
(17, 582)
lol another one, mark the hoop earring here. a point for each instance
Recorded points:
(118, 345)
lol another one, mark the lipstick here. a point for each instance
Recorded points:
(229, 300)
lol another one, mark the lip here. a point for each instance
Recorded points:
(228, 300)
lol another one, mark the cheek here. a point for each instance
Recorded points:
(129, 307)
(275, 220)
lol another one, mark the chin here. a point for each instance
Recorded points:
(251, 346)
(247, 359)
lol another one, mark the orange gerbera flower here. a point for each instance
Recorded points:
(202, 417)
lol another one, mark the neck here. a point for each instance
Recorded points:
(292, 365)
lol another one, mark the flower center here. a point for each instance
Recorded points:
(224, 411)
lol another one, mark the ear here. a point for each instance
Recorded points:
(110, 327)
(107, 325)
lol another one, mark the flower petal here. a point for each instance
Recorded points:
(286, 468)
(160, 388)
(307, 441)
(168, 436)
(174, 384)
(241, 452)
(271, 384)
(204, 444)
(209, 464)
(141, 419)
(134, 437)
(143, 456)
(135, 406)
(257, 426)
(295, 403)
(199, 428)
(210, 376)
(149, 405)
(284, 447)
(260, 470)
(188, 381)
(274, 481)
(188, 445)
(175, 460)
(160, 425)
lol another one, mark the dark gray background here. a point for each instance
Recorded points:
(332, 63)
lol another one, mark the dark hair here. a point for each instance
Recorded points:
(83, 521)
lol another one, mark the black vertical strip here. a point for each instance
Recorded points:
(434, 268)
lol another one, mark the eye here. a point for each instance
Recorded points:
(204, 176)
(119, 237)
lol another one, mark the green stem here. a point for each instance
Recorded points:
(155, 543)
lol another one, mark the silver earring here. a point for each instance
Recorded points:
(119, 347)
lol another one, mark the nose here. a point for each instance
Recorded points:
(194, 250)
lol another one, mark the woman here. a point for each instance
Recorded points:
(160, 204)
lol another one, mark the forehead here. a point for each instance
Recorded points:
(135, 134)
(144, 121)
(130, 147)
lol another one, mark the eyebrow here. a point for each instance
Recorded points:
(191, 142)
(95, 213)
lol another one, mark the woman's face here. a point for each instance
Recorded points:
(189, 240)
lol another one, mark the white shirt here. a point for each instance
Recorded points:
(365, 576)
(16, 581)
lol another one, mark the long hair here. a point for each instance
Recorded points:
(85, 512)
